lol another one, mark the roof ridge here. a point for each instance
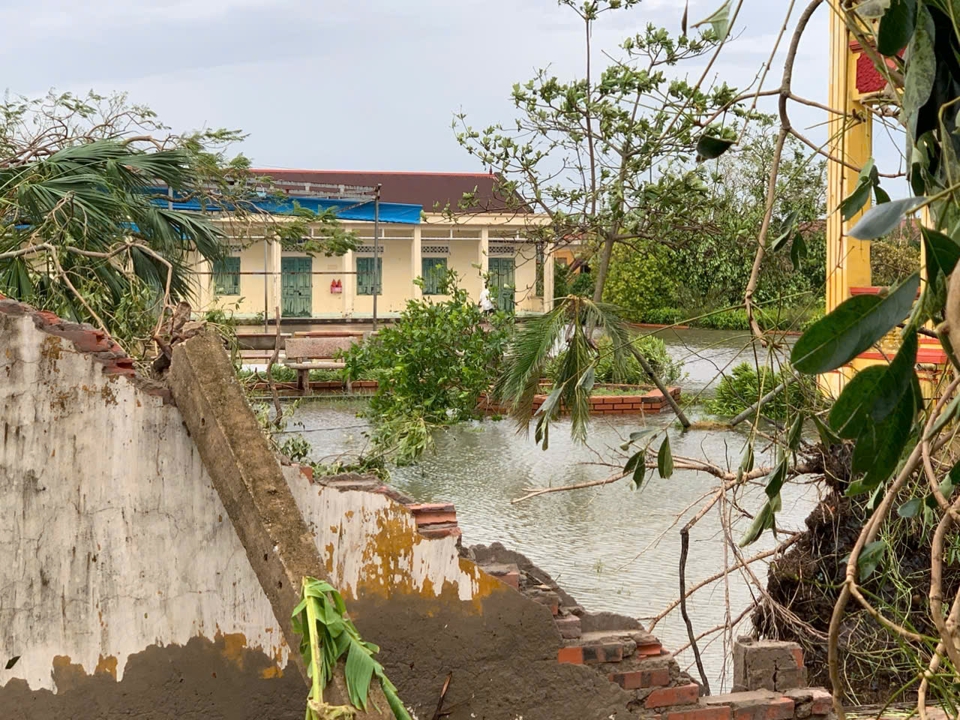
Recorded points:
(374, 172)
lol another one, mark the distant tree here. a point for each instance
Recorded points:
(585, 152)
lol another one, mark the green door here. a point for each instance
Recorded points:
(502, 283)
(296, 285)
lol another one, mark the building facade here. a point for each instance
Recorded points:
(425, 233)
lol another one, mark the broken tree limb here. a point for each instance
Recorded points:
(752, 410)
(249, 480)
(648, 369)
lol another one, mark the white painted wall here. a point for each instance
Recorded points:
(113, 538)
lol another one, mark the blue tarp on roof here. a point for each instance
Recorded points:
(346, 209)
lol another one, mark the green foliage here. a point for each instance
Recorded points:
(699, 260)
(629, 372)
(572, 325)
(327, 636)
(86, 229)
(745, 385)
(616, 135)
(432, 365)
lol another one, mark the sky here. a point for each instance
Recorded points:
(361, 84)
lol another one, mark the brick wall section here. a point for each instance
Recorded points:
(87, 340)
(643, 401)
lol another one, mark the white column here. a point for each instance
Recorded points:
(416, 263)
(548, 289)
(275, 270)
(484, 259)
(204, 275)
(349, 283)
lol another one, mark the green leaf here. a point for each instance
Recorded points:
(880, 446)
(720, 21)
(798, 250)
(946, 415)
(587, 380)
(896, 27)
(852, 409)
(899, 377)
(870, 558)
(637, 465)
(883, 219)
(851, 328)
(710, 148)
(921, 70)
(942, 253)
(550, 404)
(910, 508)
(796, 433)
(777, 478)
(828, 438)
(764, 520)
(881, 195)
(746, 462)
(852, 204)
(665, 459)
(358, 672)
(635, 461)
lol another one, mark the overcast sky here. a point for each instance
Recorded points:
(357, 84)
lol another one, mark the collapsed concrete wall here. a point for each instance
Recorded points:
(126, 590)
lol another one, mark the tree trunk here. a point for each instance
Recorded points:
(605, 253)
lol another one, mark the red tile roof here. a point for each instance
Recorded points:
(428, 189)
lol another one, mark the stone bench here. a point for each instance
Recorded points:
(316, 352)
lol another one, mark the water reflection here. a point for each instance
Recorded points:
(613, 548)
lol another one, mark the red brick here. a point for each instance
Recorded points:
(637, 679)
(511, 578)
(593, 654)
(721, 712)
(649, 650)
(436, 518)
(780, 709)
(798, 656)
(570, 655)
(822, 701)
(683, 695)
(440, 531)
(307, 472)
(568, 626)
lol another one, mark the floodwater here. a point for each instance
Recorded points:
(613, 548)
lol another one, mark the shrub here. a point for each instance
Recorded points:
(431, 365)
(652, 348)
(745, 385)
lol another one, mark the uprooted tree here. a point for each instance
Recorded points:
(882, 551)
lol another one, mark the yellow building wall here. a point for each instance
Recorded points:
(464, 257)
(250, 301)
(397, 282)
(525, 278)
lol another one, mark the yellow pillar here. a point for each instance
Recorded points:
(848, 260)
(850, 141)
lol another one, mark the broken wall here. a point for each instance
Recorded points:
(124, 588)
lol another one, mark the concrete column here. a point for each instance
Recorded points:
(416, 263)
(548, 289)
(484, 250)
(204, 285)
(276, 284)
(349, 284)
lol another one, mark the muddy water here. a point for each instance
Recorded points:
(613, 548)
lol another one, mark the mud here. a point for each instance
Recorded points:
(202, 680)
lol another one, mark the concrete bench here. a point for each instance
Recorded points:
(316, 352)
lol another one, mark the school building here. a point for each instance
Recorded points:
(417, 239)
